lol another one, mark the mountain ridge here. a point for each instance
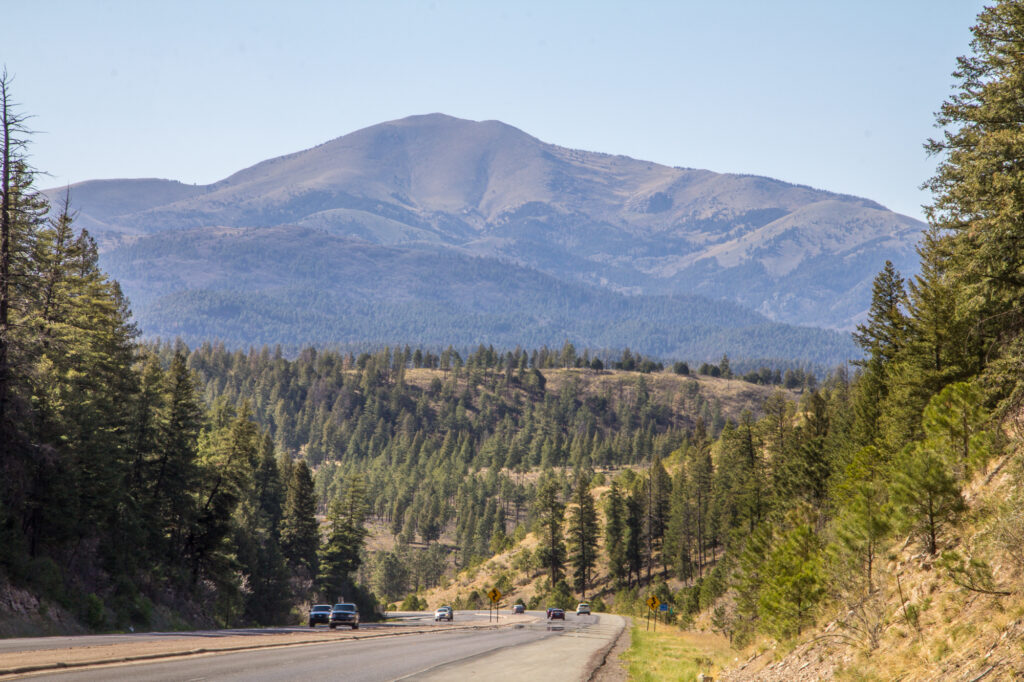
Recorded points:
(794, 254)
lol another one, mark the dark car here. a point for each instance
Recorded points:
(344, 614)
(518, 608)
(320, 613)
(554, 614)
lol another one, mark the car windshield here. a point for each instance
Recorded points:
(321, 608)
(344, 607)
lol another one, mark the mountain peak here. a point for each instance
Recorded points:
(486, 188)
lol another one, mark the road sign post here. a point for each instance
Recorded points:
(495, 596)
(652, 605)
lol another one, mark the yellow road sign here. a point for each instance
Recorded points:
(494, 594)
(653, 603)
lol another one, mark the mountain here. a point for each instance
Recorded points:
(487, 197)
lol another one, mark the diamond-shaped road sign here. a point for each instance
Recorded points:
(653, 603)
(494, 594)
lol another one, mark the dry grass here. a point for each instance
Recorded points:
(673, 654)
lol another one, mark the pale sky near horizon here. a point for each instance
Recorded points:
(836, 95)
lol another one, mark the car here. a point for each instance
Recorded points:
(444, 613)
(518, 608)
(320, 613)
(556, 614)
(344, 614)
(582, 608)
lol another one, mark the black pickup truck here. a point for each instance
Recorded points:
(344, 614)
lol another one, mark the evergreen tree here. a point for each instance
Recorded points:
(258, 545)
(883, 334)
(550, 513)
(174, 472)
(300, 532)
(635, 540)
(793, 583)
(658, 496)
(925, 493)
(615, 534)
(583, 530)
(341, 553)
(863, 516)
(978, 236)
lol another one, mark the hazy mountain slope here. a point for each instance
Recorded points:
(490, 189)
(252, 286)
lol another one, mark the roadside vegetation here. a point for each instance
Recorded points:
(669, 653)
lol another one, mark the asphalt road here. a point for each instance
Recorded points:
(381, 658)
(42, 643)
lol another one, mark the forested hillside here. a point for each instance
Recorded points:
(156, 486)
(299, 286)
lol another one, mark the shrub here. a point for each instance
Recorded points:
(93, 612)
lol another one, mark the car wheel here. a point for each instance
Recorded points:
(331, 626)
(311, 625)
(355, 626)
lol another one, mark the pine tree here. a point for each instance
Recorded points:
(341, 552)
(174, 471)
(863, 516)
(550, 513)
(583, 530)
(635, 540)
(615, 534)
(954, 422)
(793, 583)
(257, 542)
(925, 493)
(679, 537)
(752, 572)
(975, 213)
(883, 334)
(658, 496)
(300, 532)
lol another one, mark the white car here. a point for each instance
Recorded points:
(444, 613)
(582, 608)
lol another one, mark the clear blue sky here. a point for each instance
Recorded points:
(836, 95)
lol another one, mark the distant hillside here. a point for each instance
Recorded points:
(428, 185)
(290, 284)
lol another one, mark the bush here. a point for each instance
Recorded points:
(475, 600)
(93, 612)
(504, 583)
(561, 596)
(45, 575)
(597, 604)
(627, 602)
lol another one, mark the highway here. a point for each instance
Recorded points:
(428, 651)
